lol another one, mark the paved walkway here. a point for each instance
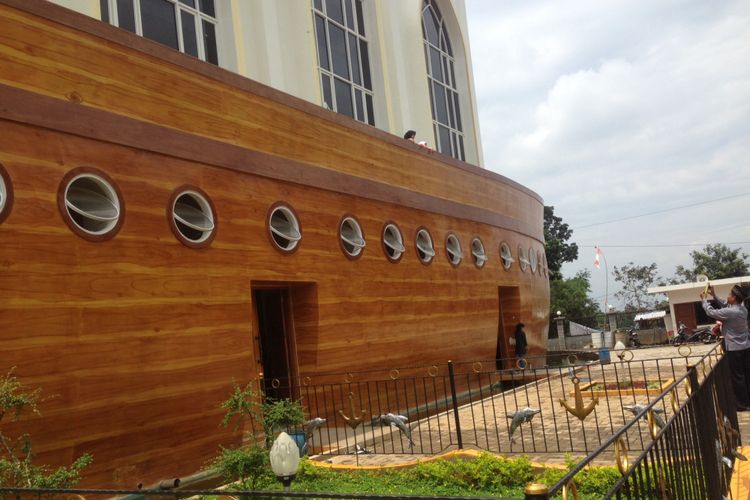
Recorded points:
(551, 435)
(553, 430)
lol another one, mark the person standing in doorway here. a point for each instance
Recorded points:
(521, 343)
(733, 317)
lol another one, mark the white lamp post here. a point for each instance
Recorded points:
(284, 458)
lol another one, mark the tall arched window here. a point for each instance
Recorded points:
(186, 25)
(446, 114)
(343, 58)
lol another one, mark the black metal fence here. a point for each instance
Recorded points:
(428, 410)
(683, 432)
(689, 455)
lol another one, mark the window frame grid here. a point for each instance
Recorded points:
(456, 137)
(331, 74)
(199, 16)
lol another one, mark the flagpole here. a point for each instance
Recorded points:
(599, 253)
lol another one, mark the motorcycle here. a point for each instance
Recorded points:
(633, 339)
(705, 335)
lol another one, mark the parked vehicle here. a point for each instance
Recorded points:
(633, 339)
(704, 334)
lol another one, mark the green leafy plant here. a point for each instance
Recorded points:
(243, 405)
(17, 469)
(249, 465)
(282, 414)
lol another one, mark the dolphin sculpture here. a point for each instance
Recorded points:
(398, 421)
(313, 425)
(638, 409)
(519, 417)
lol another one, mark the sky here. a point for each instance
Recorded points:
(611, 109)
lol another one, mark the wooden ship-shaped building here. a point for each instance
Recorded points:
(195, 192)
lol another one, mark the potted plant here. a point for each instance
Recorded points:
(284, 415)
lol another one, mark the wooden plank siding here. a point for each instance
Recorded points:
(137, 339)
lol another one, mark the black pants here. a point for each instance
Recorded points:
(739, 364)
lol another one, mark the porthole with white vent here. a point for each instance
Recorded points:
(523, 262)
(478, 253)
(540, 262)
(393, 242)
(283, 228)
(453, 249)
(351, 237)
(425, 246)
(506, 256)
(532, 260)
(192, 217)
(6, 194)
(90, 204)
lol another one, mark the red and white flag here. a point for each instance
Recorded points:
(596, 256)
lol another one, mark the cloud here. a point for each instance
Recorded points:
(610, 109)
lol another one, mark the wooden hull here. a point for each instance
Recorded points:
(139, 338)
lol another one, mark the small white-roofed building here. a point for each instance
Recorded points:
(685, 303)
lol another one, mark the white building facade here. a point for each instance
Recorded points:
(394, 64)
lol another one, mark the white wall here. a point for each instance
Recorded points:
(273, 42)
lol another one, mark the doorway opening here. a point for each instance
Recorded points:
(509, 309)
(275, 339)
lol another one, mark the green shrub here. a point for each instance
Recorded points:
(486, 472)
(17, 469)
(247, 465)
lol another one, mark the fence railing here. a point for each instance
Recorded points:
(689, 455)
(475, 405)
(683, 434)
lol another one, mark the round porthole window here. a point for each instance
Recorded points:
(523, 262)
(477, 251)
(351, 237)
(540, 262)
(532, 260)
(453, 249)
(425, 246)
(6, 194)
(283, 227)
(192, 217)
(506, 256)
(90, 204)
(393, 242)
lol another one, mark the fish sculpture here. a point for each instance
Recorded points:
(398, 421)
(638, 409)
(522, 416)
(313, 425)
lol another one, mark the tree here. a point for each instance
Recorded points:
(571, 297)
(557, 250)
(635, 282)
(715, 261)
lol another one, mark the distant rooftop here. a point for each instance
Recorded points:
(697, 284)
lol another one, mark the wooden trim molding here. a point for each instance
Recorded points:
(29, 108)
(274, 244)
(8, 202)
(341, 243)
(65, 213)
(66, 17)
(186, 188)
(393, 260)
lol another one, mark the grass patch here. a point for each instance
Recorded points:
(485, 475)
